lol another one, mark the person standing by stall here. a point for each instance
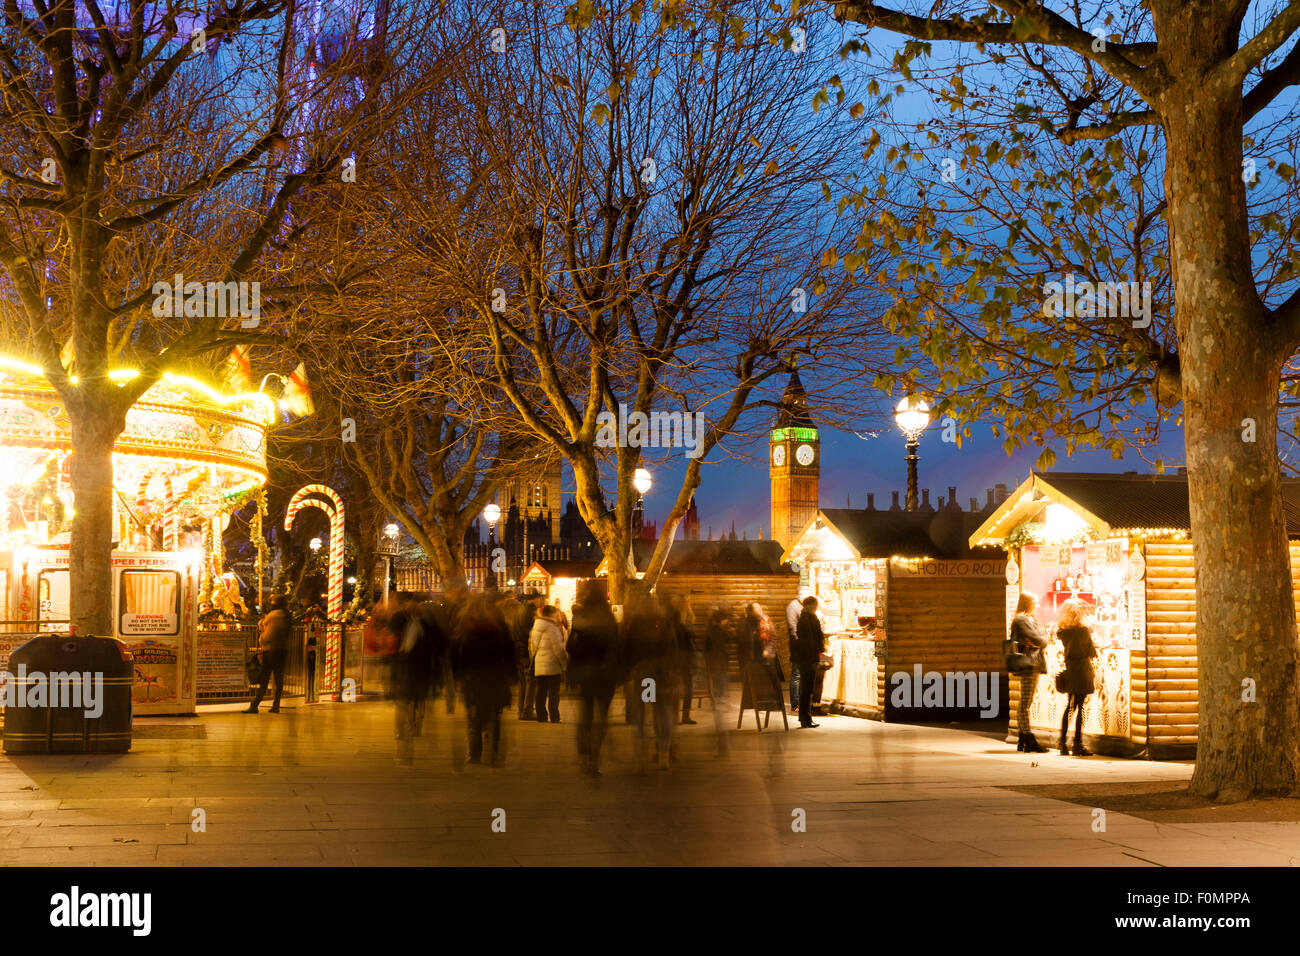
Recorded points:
(806, 654)
(793, 610)
(1029, 641)
(273, 643)
(1078, 679)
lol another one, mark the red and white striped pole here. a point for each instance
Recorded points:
(334, 604)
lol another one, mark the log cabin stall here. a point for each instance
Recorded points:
(188, 457)
(558, 580)
(913, 616)
(724, 575)
(1120, 543)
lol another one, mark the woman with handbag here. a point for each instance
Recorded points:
(1027, 639)
(1078, 679)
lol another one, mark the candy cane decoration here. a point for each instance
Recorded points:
(171, 527)
(334, 508)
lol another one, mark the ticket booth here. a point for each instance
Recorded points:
(154, 614)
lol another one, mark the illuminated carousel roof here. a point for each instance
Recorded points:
(184, 440)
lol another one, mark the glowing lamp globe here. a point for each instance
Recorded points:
(641, 481)
(492, 513)
(912, 415)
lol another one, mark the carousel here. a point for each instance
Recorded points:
(188, 458)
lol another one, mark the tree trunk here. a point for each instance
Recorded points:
(1245, 611)
(90, 567)
(448, 557)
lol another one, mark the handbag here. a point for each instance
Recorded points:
(1016, 662)
(253, 667)
(1061, 687)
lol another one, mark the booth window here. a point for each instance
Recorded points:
(149, 602)
(53, 597)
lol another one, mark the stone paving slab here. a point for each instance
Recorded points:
(320, 786)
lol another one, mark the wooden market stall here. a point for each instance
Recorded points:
(912, 615)
(558, 580)
(1121, 543)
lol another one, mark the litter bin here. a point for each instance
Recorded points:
(71, 694)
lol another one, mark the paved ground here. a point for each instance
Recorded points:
(320, 785)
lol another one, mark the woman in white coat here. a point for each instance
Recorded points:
(546, 648)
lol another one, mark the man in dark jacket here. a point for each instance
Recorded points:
(806, 653)
(273, 644)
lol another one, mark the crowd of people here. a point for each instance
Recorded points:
(491, 649)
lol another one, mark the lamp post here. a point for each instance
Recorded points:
(492, 514)
(390, 532)
(642, 482)
(912, 415)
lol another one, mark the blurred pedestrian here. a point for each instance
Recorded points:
(448, 612)
(483, 659)
(273, 645)
(681, 621)
(414, 667)
(655, 669)
(595, 649)
(717, 637)
(546, 649)
(521, 629)
(807, 654)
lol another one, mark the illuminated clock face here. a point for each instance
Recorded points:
(778, 455)
(804, 455)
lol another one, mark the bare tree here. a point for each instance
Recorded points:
(642, 233)
(152, 141)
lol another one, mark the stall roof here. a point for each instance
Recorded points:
(563, 569)
(1111, 503)
(759, 556)
(852, 534)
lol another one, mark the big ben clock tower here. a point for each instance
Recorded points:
(794, 462)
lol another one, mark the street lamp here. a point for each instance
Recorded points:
(390, 529)
(641, 481)
(492, 514)
(912, 415)
(315, 544)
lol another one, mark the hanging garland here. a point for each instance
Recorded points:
(1035, 532)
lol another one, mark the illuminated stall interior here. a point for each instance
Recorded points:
(1121, 544)
(898, 589)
